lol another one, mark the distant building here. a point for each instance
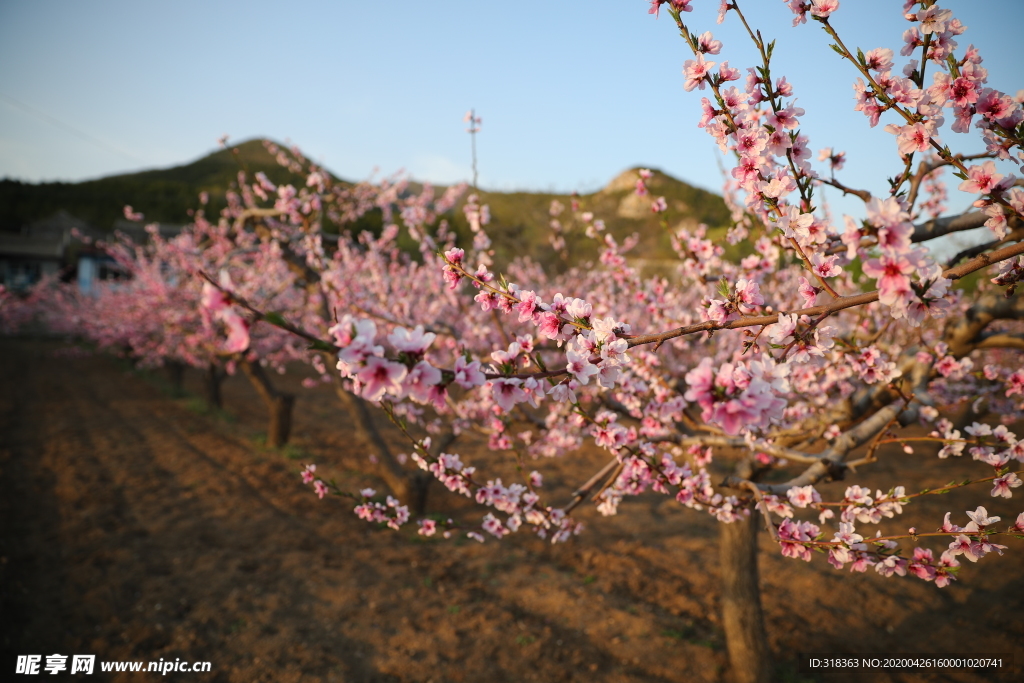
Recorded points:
(48, 247)
(37, 250)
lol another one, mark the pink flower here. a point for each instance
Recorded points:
(696, 71)
(681, 5)
(748, 293)
(413, 341)
(578, 309)
(933, 19)
(892, 565)
(962, 545)
(507, 392)
(913, 137)
(718, 311)
(1015, 383)
(307, 474)
(238, 331)
(454, 258)
(962, 93)
(1002, 485)
(421, 381)
(726, 73)
(468, 374)
(527, 305)
(786, 119)
(879, 59)
(320, 489)
(751, 142)
(994, 105)
(579, 366)
(808, 292)
(802, 496)
(794, 224)
(981, 178)
(563, 392)
(980, 519)
(428, 527)
(493, 526)
(380, 376)
(826, 266)
(846, 534)
(799, 8)
(487, 300)
(550, 326)
(921, 564)
(782, 331)
(213, 299)
(823, 8)
(707, 44)
(507, 357)
(891, 271)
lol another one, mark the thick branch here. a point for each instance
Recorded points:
(582, 492)
(1002, 341)
(864, 195)
(740, 443)
(259, 380)
(947, 224)
(966, 333)
(832, 460)
(839, 304)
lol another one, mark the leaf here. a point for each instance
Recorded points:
(838, 49)
(276, 319)
(320, 345)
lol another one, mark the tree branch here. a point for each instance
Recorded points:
(937, 227)
(839, 304)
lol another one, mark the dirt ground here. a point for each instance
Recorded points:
(139, 526)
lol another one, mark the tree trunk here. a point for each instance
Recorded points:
(214, 379)
(742, 618)
(388, 467)
(176, 376)
(280, 427)
(279, 405)
(411, 488)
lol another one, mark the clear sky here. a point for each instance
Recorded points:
(571, 93)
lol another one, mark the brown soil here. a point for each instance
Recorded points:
(137, 526)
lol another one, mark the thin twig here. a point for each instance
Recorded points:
(579, 494)
(763, 506)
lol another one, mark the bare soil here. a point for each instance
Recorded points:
(140, 526)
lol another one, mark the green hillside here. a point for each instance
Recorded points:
(520, 220)
(163, 195)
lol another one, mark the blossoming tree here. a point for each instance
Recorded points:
(792, 364)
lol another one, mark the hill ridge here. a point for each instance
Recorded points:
(520, 219)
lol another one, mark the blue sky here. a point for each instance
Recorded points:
(571, 93)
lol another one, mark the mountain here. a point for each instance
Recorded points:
(163, 195)
(520, 220)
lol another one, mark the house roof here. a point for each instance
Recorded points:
(31, 246)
